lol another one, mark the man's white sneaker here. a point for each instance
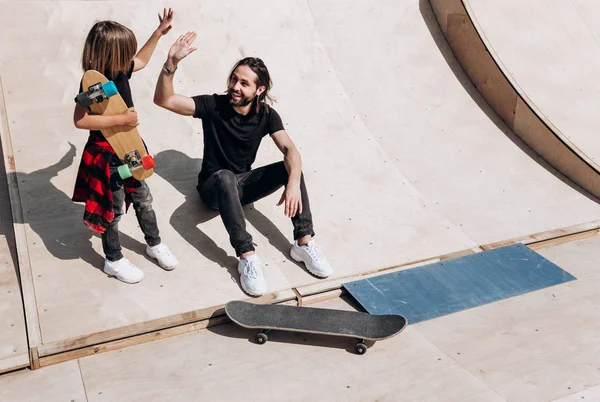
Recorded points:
(162, 254)
(251, 276)
(312, 256)
(123, 270)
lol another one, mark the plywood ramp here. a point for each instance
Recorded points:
(566, 148)
(551, 49)
(423, 110)
(58, 383)
(402, 162)
(364, 208)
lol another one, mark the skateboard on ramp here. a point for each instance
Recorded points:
(351, 324)
(101, 96)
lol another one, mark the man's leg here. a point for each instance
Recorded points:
(142, 204)
(261, 182)
(221, 192)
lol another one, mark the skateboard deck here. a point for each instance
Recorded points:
(351, 324)
(125, 141)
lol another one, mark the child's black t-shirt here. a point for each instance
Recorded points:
(122, 84)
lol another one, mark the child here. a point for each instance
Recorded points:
(110, 48)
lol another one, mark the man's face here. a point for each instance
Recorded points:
(242, 87)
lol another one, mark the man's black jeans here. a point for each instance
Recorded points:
(226, 192)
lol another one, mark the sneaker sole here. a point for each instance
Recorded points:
(250, 293)
(124, 281)
(149, 254)
(298, 259)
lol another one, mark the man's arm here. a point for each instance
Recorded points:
(293, 164)
(142, 58)
(164, 94)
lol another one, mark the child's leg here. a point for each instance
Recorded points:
(110, 237)
(142, 204)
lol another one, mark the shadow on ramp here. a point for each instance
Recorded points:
(232, 330)
(57, 220)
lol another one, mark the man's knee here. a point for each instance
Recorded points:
(225, 180)
(280, 173)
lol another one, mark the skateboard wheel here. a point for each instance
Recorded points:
(360, 348)
(83, 99)
(110, 89)
(261, 338)
(124, 172)
(148, 162)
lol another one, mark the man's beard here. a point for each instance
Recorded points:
(244, 101)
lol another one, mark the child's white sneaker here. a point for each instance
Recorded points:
(251, 276)
(123, 270)
(312, 256)
(163, 255)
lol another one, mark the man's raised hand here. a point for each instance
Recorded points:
(181, 48)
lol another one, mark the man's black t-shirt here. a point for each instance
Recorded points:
(122, 84)
(231, 140)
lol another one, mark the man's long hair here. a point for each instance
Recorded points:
(263, 78)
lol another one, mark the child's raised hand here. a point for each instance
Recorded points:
(165, 21)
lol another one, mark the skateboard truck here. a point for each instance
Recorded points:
(360, 348)
(133, 162)
(97, 92)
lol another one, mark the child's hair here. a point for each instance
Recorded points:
(109, 48)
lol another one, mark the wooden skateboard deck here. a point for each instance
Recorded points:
(125, 141)
(352, 324)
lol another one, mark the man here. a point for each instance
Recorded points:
(234, 125)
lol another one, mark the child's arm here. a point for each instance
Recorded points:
(143, 57)
(86, 121)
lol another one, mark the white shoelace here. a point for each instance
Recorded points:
(251, 269)
(314, 251)
(162, 250)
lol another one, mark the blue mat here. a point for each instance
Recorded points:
(446, 287)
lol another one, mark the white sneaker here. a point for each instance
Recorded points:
(162, 254)
(123, 270)
(251, 276)
(313, 258)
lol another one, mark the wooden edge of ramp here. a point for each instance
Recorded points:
(500, 90)
(32, 322)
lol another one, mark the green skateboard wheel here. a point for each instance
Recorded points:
(124, 172)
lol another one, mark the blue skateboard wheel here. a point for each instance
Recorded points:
(110, 89)
(124, 172)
